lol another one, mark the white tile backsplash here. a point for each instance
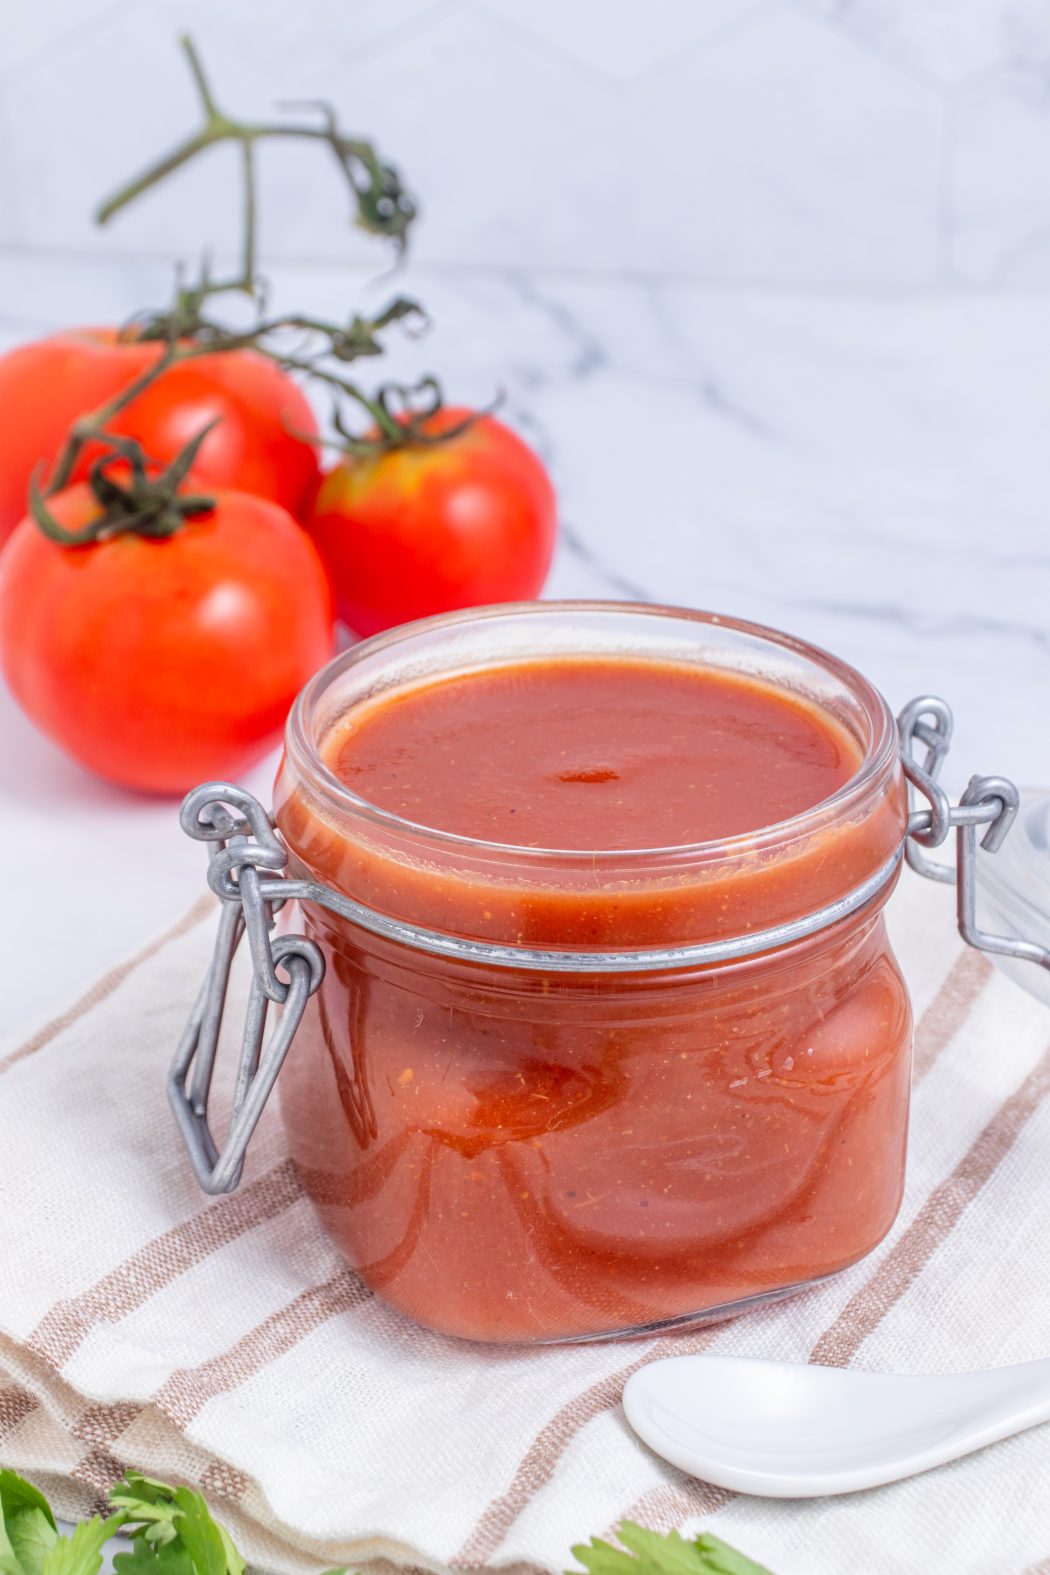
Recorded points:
(945, 40)
(621, 41)
(785, 154)
(870, 144)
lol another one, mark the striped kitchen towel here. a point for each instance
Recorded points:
(223, 1342)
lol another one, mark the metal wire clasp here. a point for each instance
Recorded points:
(241, 842)
(992, 802)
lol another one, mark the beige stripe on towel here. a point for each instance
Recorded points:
(110, 981)
(933, 1224)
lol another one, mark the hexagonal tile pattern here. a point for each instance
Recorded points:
(944, 39)
(786, 153)
(621, 40)
(875, 143)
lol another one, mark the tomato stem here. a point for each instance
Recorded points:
(200, 77)
(138, 503)
(250, 215)
(382, 205)
(91, 427)
(398, 414)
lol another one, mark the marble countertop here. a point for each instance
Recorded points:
(867, 470)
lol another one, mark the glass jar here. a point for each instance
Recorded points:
(512, 1153)
(545, 1095)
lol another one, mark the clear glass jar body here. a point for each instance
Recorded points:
(532, 1153)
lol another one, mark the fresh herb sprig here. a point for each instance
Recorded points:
(173, 1532)
(651, 1553)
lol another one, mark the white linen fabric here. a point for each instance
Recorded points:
(225, 1343)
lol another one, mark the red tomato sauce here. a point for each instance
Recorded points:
(508, 1154)
(582, 754)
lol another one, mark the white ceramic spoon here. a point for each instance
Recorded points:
(784, 1430)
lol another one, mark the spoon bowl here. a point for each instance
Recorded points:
(786, 1430)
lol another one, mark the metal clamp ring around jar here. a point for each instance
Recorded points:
(246, 858)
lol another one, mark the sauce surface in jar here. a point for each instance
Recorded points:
(580, 754)
(517, 1155)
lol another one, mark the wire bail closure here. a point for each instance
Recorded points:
(991, 802)
(246, 860)
(239, 847)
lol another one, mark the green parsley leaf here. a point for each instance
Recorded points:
(81, 1552)
(144, 1499)
(726, 1560)
(234, 1563)
(171, 1531)
(16, 1494)
(33, 1535)
(146, 1557)
(175, 1524)
(650, 1553)
(27, 1526)
(199, 1534)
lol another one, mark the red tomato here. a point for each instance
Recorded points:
(426, 530)
(45, 386)
(160, 663)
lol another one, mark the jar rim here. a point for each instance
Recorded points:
(880, 752)
(879, 755)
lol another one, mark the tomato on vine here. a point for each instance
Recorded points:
(173, 372)
(262, 442)
(158, 636)
(461, 520)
